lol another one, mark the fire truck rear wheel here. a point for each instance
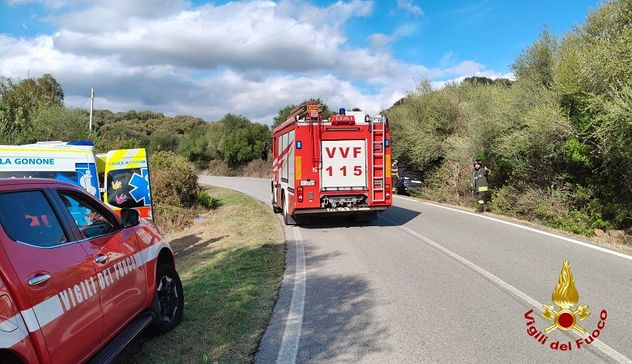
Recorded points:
(273, 201)
(168, 301)
(287, 218)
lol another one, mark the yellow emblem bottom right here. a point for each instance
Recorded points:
(565, 296)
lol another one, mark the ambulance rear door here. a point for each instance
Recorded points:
(126, 182)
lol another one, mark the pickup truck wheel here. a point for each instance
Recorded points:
(168, 300)
(7, 357)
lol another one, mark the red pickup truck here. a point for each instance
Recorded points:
(77, 282)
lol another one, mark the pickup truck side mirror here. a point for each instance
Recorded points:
(130, 217)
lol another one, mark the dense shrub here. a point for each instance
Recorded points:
(557, 139)
(219, 168)
(206, 201)
(233, 140)
(173, 181)
(59, 123)
(257, 168)
(177, 198)
(20, 101)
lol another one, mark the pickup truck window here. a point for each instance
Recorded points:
(89, 220)
(27, 217)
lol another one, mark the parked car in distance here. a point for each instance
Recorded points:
(409, 180)
(77, 281)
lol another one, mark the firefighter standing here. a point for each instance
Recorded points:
(479, 185)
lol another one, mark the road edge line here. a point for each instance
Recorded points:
(289, 343)
(288, 349)
(528, 228)
(603, 347)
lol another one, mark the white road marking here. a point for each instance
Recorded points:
(294, 321)
(613, 354)
(570, 240)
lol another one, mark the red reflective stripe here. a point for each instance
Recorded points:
(278, 162)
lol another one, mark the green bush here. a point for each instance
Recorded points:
(59, 123)
(207, 201)
(173, 181)
(575, 210)
(233, 140)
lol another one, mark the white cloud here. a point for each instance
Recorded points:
(381, 41)
(250, 57)
(410, 7)
(246, 35)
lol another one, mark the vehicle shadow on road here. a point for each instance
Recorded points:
(395, 216)
(339, 322)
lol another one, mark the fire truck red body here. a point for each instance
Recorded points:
(340, 165)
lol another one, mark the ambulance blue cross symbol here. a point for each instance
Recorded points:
(140, 182)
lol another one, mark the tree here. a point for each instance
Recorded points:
(283, 114)
(58, 123)
(487, 81)
(479, 80)
(536, 62)
(234, 140)
(20, 101)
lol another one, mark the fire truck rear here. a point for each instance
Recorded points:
(339, 165)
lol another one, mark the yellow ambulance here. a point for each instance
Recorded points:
(124, 172)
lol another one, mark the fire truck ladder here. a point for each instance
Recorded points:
(378, 155)
(307, 109)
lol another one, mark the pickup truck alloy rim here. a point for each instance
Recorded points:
(168, 297)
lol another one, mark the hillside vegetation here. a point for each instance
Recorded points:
(558, 140)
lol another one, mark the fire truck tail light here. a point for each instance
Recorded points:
(388, 192)
(299, 194)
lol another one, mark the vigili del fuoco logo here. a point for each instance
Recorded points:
(567, 318)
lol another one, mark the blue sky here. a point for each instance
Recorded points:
(254, 57)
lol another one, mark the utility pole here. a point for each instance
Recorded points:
(91, 106)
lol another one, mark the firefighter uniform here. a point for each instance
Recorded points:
(480, 187)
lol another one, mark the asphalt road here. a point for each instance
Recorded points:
(424, 283)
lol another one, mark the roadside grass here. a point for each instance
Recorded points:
(231, 265)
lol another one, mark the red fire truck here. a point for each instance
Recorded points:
(339, 165)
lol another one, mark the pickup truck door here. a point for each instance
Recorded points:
(120, 278)
(59, 293)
